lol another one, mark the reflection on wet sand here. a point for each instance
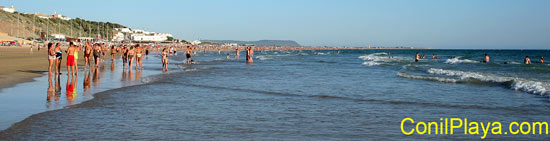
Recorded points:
(71, 89)
(87, 80)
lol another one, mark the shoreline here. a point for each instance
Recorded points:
(31, 93)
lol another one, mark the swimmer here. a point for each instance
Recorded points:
(486, 59)
(434, 57)
(417, 57)
(542, 60)
(527, 60)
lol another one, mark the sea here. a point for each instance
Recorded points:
(285, 95)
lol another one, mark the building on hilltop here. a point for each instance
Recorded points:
(9, 10)
(126, 34)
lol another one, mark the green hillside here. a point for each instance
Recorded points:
(28, 25)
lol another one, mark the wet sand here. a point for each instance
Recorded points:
(20, 65)
(31, 88)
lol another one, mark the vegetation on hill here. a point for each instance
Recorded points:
(29, 25)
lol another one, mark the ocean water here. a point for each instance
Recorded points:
(307, 95)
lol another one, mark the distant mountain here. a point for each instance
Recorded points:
(258, 43)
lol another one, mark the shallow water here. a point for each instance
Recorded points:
(297, 95)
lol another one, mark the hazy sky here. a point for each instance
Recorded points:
(420, 23)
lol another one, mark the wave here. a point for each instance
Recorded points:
(439, 79)
(457, 60)
(263, 58)
(380, 58)
(520, 84)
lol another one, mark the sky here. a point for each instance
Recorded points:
(479, 24)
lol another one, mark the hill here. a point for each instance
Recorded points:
(29, 25)
(258, 43)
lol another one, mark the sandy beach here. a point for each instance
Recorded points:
(20, 65)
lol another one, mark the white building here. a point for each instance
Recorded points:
(231, 44)
(124, 30)
(118, 37)
(149, 38)
(196, 42)
(9, 10)
(58, 36)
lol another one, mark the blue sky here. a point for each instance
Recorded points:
(519, 24)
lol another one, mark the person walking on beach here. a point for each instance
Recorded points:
(131, 53)
(542, 60)
(87, 53)
(486, 59)
(51, 57)
(58, 55)
(113, 52)
(124, 56)
(77, 49)
(71, 59)
(417, 57)
(139, 53)
(527, 60)
(97, 54)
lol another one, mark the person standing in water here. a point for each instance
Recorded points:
(71, 59)
(237, 53)
(542, 60)
(59, 56)
(486, 59)
(51, 57)
(164, 55)
(527, 60)
(249, 54)
(417, 57)
(188, 54)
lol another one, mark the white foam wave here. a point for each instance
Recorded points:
(380, 58)
(440, 79)
(457, 60)
(520, 84)
(263, 58)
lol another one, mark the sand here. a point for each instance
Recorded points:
(20, 65)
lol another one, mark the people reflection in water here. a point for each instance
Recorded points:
(71, 90)
(95, 77)
(138, 74)
(87, 80)
(51, 90)
(57, 87)
(112, 66)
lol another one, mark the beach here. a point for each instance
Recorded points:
(20, 65)
(294, 95)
